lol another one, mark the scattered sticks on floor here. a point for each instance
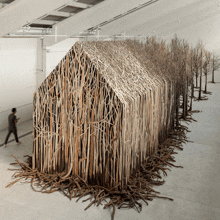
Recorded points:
(139, 186)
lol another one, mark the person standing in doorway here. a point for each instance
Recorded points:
(12, 120)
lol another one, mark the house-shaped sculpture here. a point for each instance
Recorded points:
(100, 112)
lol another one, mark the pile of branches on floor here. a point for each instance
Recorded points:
(139, 186)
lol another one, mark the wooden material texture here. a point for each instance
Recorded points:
(100, 113)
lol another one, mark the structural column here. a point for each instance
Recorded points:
(41, 62)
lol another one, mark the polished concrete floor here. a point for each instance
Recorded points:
(195, 188)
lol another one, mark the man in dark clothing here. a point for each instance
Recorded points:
(12, 120)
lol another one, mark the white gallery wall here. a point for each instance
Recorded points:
(18, 61)
(55, 53)
(25, 63)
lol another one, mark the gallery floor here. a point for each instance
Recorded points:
(195, 188)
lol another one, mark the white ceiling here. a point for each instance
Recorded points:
(189, 19)
(25, 17)
(61, 19)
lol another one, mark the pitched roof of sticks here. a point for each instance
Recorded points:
(126, 70)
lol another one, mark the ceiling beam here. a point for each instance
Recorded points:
(89, 18)
(44, 22)
(60, 14)
(78, 5)
(22, 12)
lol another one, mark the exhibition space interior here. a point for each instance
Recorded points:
(109, 109)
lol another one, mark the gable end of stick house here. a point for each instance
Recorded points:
(100, 113)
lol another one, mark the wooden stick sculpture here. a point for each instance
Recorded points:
(107, 120)
(100, 113)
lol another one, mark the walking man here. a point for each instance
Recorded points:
(12, 120)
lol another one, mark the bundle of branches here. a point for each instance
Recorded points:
(139, 186)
